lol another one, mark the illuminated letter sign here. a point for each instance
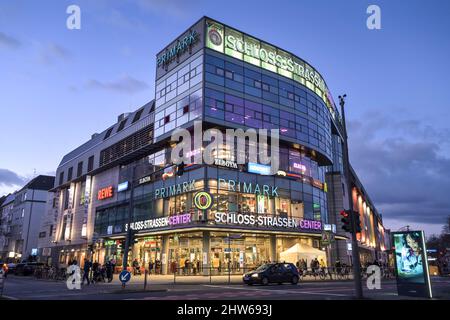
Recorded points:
(243, 47)
(105, 193)
(177, 49)
(122, 186)
(258, 168)
(203, 200)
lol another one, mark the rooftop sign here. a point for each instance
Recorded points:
(243, 47)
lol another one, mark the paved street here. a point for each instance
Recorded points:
(159, 288)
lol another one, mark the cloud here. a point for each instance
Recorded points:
(9, 178)
(8, 41)
(404, 167)
(53, 52)
(125, 84)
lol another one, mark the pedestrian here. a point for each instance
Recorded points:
(136, 267)
(96, 272)
(109, 270)
(86, 269)
(150, 266)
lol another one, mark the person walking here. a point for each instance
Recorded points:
(109, 270)
(86, 269)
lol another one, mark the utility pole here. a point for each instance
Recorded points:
(355, 248)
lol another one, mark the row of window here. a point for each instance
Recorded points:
(259, 84)
(233, 109)
(90, 167)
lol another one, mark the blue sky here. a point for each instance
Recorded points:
(59, 86)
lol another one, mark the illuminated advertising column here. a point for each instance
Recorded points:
(411, 265)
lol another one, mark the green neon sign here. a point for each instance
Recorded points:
(243, 47)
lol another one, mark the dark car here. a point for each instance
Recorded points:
(272, 273)
(26, 269)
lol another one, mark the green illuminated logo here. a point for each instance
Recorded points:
(203, 200)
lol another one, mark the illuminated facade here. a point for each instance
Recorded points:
(213, 217)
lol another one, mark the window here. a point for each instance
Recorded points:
(61, 177)
(23, 213)
(258, 84)
(121, 125)
(80, 169)
(185, 109)
(42, 234)
(265, 87)
(69, 174)
(219, 71)
(90, 164)
(228, 74)
(50, 233)
(137, 116)
(166, 119)
(108, 133)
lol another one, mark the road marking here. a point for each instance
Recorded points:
(280, 291)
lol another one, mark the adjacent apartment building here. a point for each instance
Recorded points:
(21, 215)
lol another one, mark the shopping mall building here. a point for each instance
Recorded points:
(224, 214)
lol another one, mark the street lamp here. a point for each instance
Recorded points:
(355, 248)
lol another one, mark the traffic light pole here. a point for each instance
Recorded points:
(355, 248)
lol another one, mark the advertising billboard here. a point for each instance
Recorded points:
(411, 265)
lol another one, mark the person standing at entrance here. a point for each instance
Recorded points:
(86, 269)
(109, 270)
(150, 267)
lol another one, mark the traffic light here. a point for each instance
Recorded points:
(346, 220)
(180, 169)
(357, 222)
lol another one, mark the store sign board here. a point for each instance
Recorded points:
(162, 222)
(266, 221)
(248, 187)
(243, 47)
(122, 186)
(175, 189)
(178, 48)
(411, 265)
(225, 163)
(145, 179)
(258, 168)
(105, 193)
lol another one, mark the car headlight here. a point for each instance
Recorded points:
(255, 275)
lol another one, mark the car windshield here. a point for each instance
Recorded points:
(263, 267)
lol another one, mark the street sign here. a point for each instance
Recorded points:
(327, 238)
(124, 276)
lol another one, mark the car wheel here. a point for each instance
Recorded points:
(249, 284)
(294, 280)
(265, 281)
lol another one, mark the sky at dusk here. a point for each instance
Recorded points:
(59, 86)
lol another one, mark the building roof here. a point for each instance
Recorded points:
(41, 182)
(108, 133)
(8, 199)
